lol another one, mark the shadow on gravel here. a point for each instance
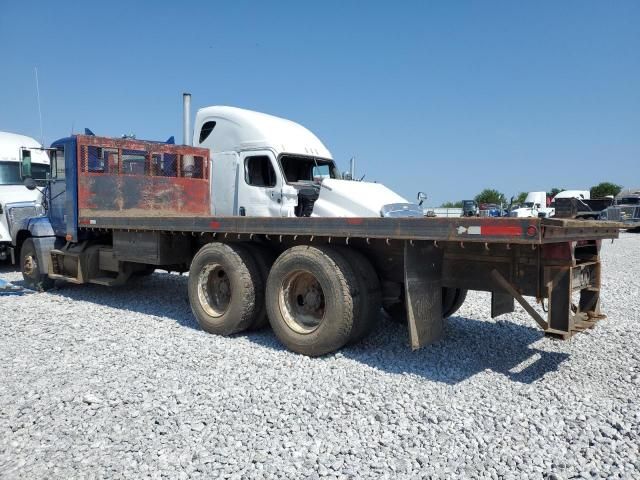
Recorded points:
(468, 347)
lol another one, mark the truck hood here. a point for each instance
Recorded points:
(348, 198)
(18, 193)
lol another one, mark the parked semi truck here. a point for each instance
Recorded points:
(626, 209)
(118, 208)
(17, 202)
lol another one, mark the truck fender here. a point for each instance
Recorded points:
(44, 239)
(31, 227)
(44, 245)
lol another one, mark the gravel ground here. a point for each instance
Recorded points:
(98, 382)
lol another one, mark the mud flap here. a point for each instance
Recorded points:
(501, 303)
(423, 292)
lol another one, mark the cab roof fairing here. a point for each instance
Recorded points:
(10, 144)
(238, 129)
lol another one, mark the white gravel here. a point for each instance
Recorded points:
(120, 383)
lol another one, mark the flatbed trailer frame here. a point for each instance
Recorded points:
(553, 260)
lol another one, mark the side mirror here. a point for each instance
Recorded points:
(30, 183)
(25, 163)
(421, 198)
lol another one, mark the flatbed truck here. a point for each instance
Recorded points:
(119, 208)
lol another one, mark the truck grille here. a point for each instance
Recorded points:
(18, 213)
(628, 213)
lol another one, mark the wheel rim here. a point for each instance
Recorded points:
(302, 302)
(214, 290)
(30, 265)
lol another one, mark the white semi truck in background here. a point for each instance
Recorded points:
(266, 166)
(16, 201)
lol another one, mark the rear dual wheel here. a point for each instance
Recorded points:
(226, 288)
(319, 298)
(368, 284)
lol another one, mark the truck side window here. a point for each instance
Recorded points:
(259, 172)
(205, 131)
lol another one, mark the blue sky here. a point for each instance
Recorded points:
(447, 97)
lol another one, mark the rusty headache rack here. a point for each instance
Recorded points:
(116, 175)
(556, 261)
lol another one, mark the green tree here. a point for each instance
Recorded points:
(489, 195)
(605, 188)
(520, 198)
(451, 205)
(554, 191)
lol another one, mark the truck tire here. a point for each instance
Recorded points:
(264, 258)
(368, 284)
(225, 288)
(312, 298)
(452, 300)
(34, 279)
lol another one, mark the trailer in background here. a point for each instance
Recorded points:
(587, 209)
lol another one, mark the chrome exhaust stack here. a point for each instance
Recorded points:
(186, 119)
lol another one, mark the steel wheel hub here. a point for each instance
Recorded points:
(214, 290)
(302, 302)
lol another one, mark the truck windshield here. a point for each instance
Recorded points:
(10, 172)
(629, 201)
(306, 169)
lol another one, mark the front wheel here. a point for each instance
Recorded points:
(34, 278)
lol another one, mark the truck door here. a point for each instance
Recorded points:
(56, 194)
(62, 191)
(260, 186)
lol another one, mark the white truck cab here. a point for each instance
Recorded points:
(266, 166)
(534, 205)
(16, 201)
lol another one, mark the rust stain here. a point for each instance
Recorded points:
(113, 193)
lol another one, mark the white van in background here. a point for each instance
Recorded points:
(16, 201)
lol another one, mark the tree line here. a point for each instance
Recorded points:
(490, 195)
